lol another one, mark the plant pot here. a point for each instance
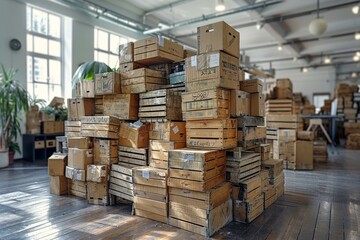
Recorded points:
(11, 157)
(4, 159)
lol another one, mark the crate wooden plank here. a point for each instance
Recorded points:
(195, 185)
(99, 134)
(100, 120)
(141, 80)
(121, 195)
(100, 127)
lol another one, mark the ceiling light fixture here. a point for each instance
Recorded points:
(357, 36)
(280, 47)
(327, 60)
(355, 9)
(358, 53)
(319, 25)
(356, 58)
(220, 5)
(259, 25)
(354, 75)
(304, 70)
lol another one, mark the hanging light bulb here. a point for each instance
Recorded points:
(295, 59)
(356, 58)
(220, 5)
(280, 47)
(304, 70)
(357, 36)
(327, 60)
(358, 53)
(354, 75)
(259, 25)
(319, 25)
(355, 9)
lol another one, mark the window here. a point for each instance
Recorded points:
(319, 99)
(44, 54)
(106, 47)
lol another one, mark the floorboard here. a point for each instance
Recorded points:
(319, 204)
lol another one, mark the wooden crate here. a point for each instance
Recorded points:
(77, 188)
(274, 166)
(142, 80)
(100, 127)
(99, 105)
(105, 151)
(160, 105)
(248, 211)
(264, 175)
(211, 134)
(279, 106)
(159, 152)
(272, 133)
(206, 104)
(132, 157)
(98, 193)
(211, 83)
(284, 121)
(251, 136)
(168, 131)
(269, 193)
(107, 83)
(264, 151)
(121, 183)
(250, 121)
(123, 106)
(239, 169)
(247, 190)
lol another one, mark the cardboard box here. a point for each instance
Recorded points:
(123, 106)
(72, 109)
(85, 89)
(214, 65)
(107, 83)
(45, 117)
(286, 135)
(218, 36)
(79, 158)
(85, 107)
(158, 44)
(284, 83)
(79, 142)
(257, 107)
(57, 102)
(134, 137)
(56, 164)
(105, 151)
(304, 155)
(75, 174)
(98, 193)
(126, 53)
(58, 185)
(168, 131)
(97, 173)
(239, 103)
(252, 86)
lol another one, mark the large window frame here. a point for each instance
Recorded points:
(50, 51)
(106, 47)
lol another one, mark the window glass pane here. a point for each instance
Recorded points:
(55, 91)
(103, 40)
(41, 91)
(30, 88)
(54, 26)
(113, 61)
(29, 43)
(29, 69)
(122, 40)
(39, 21)
(103, 57)
(54, 72)
(54, 48)
(114, 43)
(28, 18)
(95, 38)
(40, 70)
(40, 45)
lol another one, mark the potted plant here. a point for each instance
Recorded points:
(13, 101)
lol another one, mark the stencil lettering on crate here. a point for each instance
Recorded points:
(200, 95)
(229, 65)
(195, 143)
(208, 71)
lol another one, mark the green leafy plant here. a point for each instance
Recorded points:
(60, 112)
(35, 102)
(13, 101)
(88, 70)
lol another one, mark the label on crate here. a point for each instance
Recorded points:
(189, 157)
(146, 174)
(214, 60)
(176, 129)
(160, 41)
(193, 61)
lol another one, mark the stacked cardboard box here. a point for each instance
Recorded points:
(56, 170)
(276, 175)
(284, 147)
(304, 150)
(126, 58)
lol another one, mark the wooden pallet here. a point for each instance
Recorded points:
(206, 104)
(279, 106)
(242, 168)
(211, 134)
(160, 104)
(121, 183)
(132, 157)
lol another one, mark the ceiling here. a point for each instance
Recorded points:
(285, 22)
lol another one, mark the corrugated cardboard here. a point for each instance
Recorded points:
(58, 185)
(123, 106)
(304, 155)
(79, 142)
(134, 137)
(218, 36)
(284, 83)
(169, 131)
(105, 151)
(252, 86)
(56, 164)
(239, 103)
(75, 174)
(257, 107)
(79, 158)
(97, 173)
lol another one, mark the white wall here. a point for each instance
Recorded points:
(315, 80)
(78, 34)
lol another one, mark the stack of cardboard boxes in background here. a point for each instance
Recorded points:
(133, 146)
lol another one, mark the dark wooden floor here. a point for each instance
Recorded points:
(319, 204)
